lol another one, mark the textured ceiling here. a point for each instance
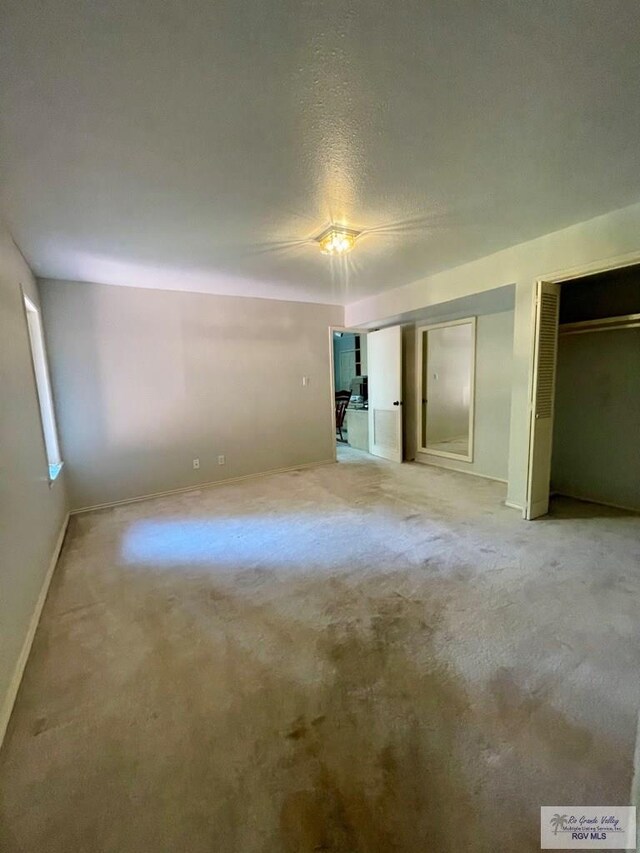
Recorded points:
(201, 144)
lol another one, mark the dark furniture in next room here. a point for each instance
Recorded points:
(342, 401)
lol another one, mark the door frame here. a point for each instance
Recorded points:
(332, 379)
(560, 277)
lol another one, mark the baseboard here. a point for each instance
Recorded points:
(18, 672)
(634, 798)
(513, 505)
(459, 470)
(595, 501)
(195, 488)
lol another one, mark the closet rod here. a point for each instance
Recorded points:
(606, 324)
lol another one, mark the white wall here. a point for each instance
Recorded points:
(31, 512)
(148, 380)
(612, 236)
(596, 447)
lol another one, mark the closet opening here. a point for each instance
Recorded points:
(596, 418)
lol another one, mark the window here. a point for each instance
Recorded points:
(41, 372)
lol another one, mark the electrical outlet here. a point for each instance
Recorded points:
(221, 459)
(196, 464)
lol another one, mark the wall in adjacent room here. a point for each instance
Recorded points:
(596, 452)
(148, 380)
(32, 512)
(345, 343)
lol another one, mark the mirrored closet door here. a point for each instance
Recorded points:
(446, 370)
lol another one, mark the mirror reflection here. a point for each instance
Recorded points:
(447, 369)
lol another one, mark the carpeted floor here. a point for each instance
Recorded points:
(362, 658)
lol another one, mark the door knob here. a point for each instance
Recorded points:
(398, 403)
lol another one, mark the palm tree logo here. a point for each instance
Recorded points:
(557, 821)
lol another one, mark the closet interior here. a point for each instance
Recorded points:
(596, 438)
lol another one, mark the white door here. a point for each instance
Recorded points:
(542, 398)
(384, 356)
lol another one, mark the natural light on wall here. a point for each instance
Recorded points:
(41, 372)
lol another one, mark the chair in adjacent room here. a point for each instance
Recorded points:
(342, 401)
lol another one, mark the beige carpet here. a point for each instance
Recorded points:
(361, 657)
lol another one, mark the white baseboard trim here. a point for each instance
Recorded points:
(196, 488)
(513, 505)
(14, 685)
(595, 501)
(458, 470)
(635, 782)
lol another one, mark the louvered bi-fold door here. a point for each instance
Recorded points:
(544, 384)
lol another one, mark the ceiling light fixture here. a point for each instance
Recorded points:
(336, 240)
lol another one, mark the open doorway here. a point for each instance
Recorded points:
(373, 419)
(351, 388)
(586, 391)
